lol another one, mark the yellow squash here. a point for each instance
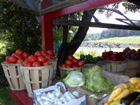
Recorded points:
(115, 102)
(107, 103)
(124, 93)
(114, 94)
(134, 80)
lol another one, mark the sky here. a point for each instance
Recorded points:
(102, 18)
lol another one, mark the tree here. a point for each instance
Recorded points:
(69, 48)
(19, 28)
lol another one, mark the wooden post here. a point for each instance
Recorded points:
(47, 31)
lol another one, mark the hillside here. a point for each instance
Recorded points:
(130, 40)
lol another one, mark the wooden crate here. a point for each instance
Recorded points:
(131, 72)
(132, 68)
(37, 77)
(13, 75)
(133, 64)
(54, 64)
(117, 67)
(63, 71)
(86, 66)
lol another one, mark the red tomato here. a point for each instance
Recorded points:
(75, 61)
(63, 65)
(32, 58)
(20, 60)
(12, 59)
(115, 57)
(27, 64)
(7, 58)
(46, 63)
(19, 57)
(14, 54)
(80, 63)
(48, 57)
(25, 55)
(105, 54)
(75, 65)
(68, 62)
(19, 52)
(68, 66)
(44, 52)
(41, 59)
(50, 52)
(36, 64)
(70, 57)
(38, 53)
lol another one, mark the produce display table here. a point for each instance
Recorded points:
(21, 97)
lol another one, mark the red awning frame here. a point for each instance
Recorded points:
(47, 19)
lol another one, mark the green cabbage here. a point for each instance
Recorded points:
(96, 82)
(74, 79)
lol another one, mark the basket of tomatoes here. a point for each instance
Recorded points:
(12, 71)
(50, 56)
(37, 71)
(71, 64)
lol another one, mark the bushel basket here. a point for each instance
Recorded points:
(37, 77)
(13, 75)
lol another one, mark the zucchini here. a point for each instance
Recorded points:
(137, 102)
(131, 97)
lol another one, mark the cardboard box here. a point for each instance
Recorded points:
(80, 100)
(116, 80)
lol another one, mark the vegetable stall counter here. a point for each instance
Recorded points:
(21, 97)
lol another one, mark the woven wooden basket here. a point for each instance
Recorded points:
(13, 75)
(117, 67)
(37, 77)
(54, 63)
(132, 67)
(63, 71)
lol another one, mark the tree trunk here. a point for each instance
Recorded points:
(67, 49)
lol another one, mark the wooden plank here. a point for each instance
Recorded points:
(21, 83)
(5, 68)
(47, 31)
(93, 24)
(34, 74)
(45, 77)
(26, 79)
(13, 74)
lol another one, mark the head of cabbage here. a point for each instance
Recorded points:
(74, 79)
(96, 82)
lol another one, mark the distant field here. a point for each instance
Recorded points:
(131, 39)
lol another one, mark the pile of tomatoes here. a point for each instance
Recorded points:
(39, 58)
(72, 62)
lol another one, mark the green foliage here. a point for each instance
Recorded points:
(130, 7)
(82, 52)
(5, 98)
(110, 33)
(89, 59)
(19, 28)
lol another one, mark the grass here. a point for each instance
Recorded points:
(131, 39)
(91, 52)
(5, 98)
